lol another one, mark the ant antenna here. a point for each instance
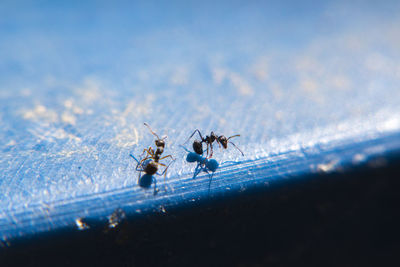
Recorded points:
(236, 146)
(152, 131)
(236, 135)
(165, 136)
(197, 130)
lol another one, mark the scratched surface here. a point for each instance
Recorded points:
(310, 88)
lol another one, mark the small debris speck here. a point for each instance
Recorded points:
(115, 218)
(327, 167)
(81, 224)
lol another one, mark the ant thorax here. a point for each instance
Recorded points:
(158, 153)
(213, 137)
(210, 138)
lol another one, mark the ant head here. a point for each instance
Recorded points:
(160, 143)
(198, 147)
(223, 141)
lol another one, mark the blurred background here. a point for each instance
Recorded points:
(312, 87)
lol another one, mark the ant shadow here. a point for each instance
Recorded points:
(206, 165)
(145, 181)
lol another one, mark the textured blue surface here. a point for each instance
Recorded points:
(310, 88)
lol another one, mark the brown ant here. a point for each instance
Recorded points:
(209, 140)
(149, 164)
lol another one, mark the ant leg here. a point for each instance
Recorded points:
(161, 164)
(154, 180)
(203, 162)
(197, 170)
(207, 151)
(197, 130)
(219, 144)
(149, 152)
(167, 166)
(209, 184)
(141, 163)
(187, 150)
(140, 175)
(139, 170)
(211, 148)
(138, 164)
(165, 171)
(168, 156)
(134, 158)
(237, 148)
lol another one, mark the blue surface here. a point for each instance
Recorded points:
(309, 87)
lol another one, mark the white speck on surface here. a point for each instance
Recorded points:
(261, 69)
(81, 224)
(26, 92)
(69, 104)
(41, 114)
(358, 158)
(327, 167)
(89, 91)
(11, 143)
(134, 108)
(340, 82)
(218, 75)
(390, 124)
(240, 84)
(127, 138)
(116, 218)
(67, 117)
(84, 150)
(309, 85)
(376, 62)
(180, 76)
(51, 134)
(162, 209)
(308, 64)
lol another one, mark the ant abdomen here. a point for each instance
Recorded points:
(198, 147)
(151, 168)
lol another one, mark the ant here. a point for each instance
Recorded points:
(149, 164)
(209, 140)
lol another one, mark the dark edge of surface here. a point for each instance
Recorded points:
(347, 218)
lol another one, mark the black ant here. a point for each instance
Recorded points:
(149, 164)
(209, 140)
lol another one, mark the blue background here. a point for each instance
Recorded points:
(311, 87)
